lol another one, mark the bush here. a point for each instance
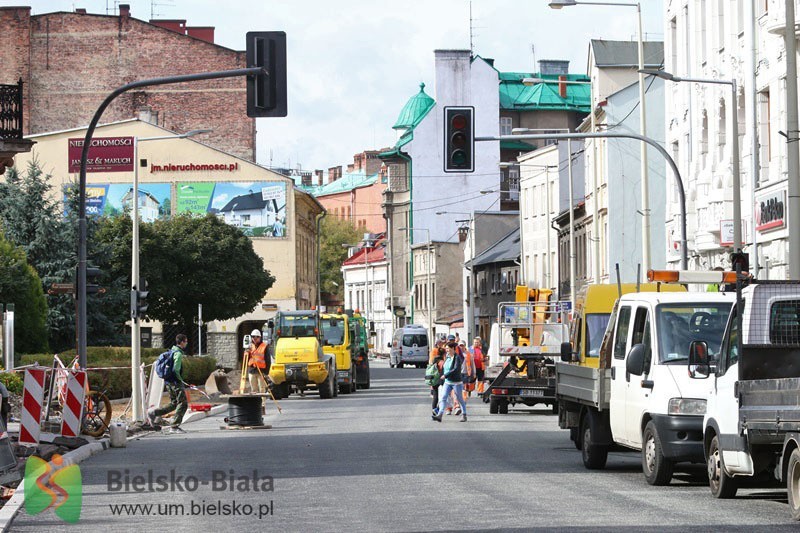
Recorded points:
(117, 383)
(12, 381)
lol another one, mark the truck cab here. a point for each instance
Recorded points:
(298, 359)
(337, 341)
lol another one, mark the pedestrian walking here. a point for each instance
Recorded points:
(451, 371)
(178, 401)
(480, 364)
(257, 366)
(468, 373)
(433, 375)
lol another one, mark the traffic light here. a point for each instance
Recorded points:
(740, 261)
(266, 93)
(93, 280)
(459, 139)
(139, 300)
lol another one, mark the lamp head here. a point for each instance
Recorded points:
(558, 4)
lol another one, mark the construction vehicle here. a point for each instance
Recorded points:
(531, 331)
(337, 341)
(593, 307)
(361, 336)
(751, 427)
(640, 397)
(299, 361)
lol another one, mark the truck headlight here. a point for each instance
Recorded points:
(686, 406)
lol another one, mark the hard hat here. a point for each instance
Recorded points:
(255, 333)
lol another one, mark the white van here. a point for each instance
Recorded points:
(409, 346)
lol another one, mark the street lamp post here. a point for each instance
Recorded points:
(558, 4)
(735, 170)
(428, 275)
(136, 326)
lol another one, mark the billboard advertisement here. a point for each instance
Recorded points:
(257, 208)
(110, 199)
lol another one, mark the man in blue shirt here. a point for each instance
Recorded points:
(452, 382)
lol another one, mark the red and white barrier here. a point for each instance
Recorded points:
(32, 398)
(73, 405)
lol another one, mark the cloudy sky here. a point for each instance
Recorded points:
(353, 64)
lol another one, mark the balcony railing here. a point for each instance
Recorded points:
(11, 111)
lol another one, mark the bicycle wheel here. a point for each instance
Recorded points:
(96, 413)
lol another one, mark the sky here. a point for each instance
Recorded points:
(353, 64)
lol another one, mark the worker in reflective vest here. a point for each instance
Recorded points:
(257, 363)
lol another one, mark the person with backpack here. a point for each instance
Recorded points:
(451, 370)
(433, 375)
(169, 366)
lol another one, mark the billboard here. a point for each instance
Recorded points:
(110, 199)
(257, 208)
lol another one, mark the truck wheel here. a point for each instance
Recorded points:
(594, 455)
(657, 468)
(793, 483)
(722, 485)
(399, 365)
(493, 406)
(327, 389)
(502, 407)
(575, 437)
(345, 388)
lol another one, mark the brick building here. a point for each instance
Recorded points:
(69, 62)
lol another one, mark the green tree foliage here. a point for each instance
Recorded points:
(189, 260)
(20, 285)
(335, 233)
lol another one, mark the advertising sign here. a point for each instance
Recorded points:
(257, 208)
(106, 154)
(110, 199)
(770, 211)
(726, 233)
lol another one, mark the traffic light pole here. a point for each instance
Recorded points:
(80, 289)
(610, 135)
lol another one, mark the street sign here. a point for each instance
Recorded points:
(61, 288)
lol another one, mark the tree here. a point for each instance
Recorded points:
(20, 285)
(187, 261)
(334, 233)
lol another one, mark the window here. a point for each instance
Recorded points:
(505, 125)
(596, 324)
(482, 282)
(641, 334)
(764, 132)
(494, 282)
(548, 142)
(721, 25)
(784, 322)
(621, 334)
(433, 296)
(704, 138)
(680, 324)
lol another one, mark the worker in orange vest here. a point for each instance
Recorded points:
(257, 363)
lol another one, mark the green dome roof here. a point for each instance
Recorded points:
(414, 110)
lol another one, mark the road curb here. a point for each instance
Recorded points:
(9, 511)
(12, 507)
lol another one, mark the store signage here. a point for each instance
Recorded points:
(770, 211)
(726, 233)
(194, 167)
(106, 154)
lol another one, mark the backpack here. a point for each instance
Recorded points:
(454, 374)
(432, 375)
(468, 374)
(164, 366)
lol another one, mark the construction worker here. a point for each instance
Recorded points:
(257, 369)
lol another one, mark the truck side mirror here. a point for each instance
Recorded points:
(566, 352)
(699, 360)
(635, 362)
(270, 324)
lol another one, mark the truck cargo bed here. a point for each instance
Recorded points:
(581, 384)
(770, 406)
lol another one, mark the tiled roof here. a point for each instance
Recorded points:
(374, 255)
(348, 182)
(545, 95)
(506, 249)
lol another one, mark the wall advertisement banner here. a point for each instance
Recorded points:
(110, 199)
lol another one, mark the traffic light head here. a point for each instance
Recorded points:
(139, 300)
(459, 139)
(266, 93)
(93, 280)
(740, 261)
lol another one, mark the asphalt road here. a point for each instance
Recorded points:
(374, 461)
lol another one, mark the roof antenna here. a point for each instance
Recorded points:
(471, 48)
(533, 54)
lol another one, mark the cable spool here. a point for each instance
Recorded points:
(244, 411)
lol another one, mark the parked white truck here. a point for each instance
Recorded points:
(641, 397)
(752, 424)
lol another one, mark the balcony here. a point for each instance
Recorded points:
(11, 141)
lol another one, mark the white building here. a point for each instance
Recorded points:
(366, 278)
(725, 41)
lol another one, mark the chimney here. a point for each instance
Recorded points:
(453, 74)
(81, 10)
(176, 25)
(562, 87)
(553, 66)
(350, 168)
(319, 174)
(204, 33)
(125, 10)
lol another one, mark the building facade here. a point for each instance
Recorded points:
(742, 42)
(53, 52)
(187, 176)
(366, 284)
